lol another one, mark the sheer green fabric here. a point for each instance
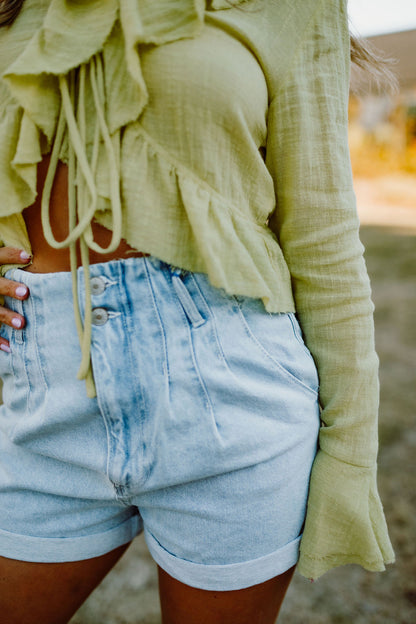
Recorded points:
(216, 139)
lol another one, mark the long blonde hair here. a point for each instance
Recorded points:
(371, 67)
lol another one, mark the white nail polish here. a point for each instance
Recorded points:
(16, 322)
(21, 291)
(4, 347)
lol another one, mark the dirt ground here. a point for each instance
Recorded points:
(347, 594)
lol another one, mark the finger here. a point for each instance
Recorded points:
(11, 255)
(13, 289)
(15, 320)
(4, 345)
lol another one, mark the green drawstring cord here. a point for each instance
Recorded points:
(82, 191)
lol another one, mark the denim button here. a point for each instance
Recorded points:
(99, 316)
(97, 285)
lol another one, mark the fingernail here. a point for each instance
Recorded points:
(24, 256)
(17, 322)
(21, 291)
(4, 347)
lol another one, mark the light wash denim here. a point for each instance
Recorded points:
(203, 431)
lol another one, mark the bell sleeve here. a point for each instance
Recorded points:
(317, 226)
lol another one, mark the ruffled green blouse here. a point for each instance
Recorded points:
(215, 138)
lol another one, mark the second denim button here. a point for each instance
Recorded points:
(99, 316)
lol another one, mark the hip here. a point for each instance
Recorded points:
(174, 359)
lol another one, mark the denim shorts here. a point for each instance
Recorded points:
(202, 434)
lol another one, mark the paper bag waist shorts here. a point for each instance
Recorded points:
(203, 431)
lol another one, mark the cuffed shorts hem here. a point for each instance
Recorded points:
(65, 549)
(225, 577)
(205, 425)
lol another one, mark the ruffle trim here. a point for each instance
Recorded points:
(75, 35)
(20, 152)
(344, 521)
(200, 223)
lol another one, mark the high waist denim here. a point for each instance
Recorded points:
(203, 431)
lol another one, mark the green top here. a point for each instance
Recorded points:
(215, 140)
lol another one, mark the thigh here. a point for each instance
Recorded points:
(259, 604)
(49, 592)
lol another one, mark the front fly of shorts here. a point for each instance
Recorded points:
(203, 431)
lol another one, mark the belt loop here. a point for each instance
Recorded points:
(188, 305)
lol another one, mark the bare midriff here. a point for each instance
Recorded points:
(47, 259)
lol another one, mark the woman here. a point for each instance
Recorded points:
(180, 172)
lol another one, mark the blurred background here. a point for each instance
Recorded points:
(383, 152)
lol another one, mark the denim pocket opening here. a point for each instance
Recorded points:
(307, 375)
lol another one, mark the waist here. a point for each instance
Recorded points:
(47, 259)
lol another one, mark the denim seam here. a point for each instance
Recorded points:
(201, 381)
(297, 333)
(121, 490)
(140, 396)
(171, 271)
(4, 353)
(36, 350)
(124, 303)
(222, 356)
(28, 385)
(162, 329)
(290, 376)
(102, 406)
(175, 271)
(17, 339)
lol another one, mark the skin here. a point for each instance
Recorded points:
(51, 593)
(11, 289)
